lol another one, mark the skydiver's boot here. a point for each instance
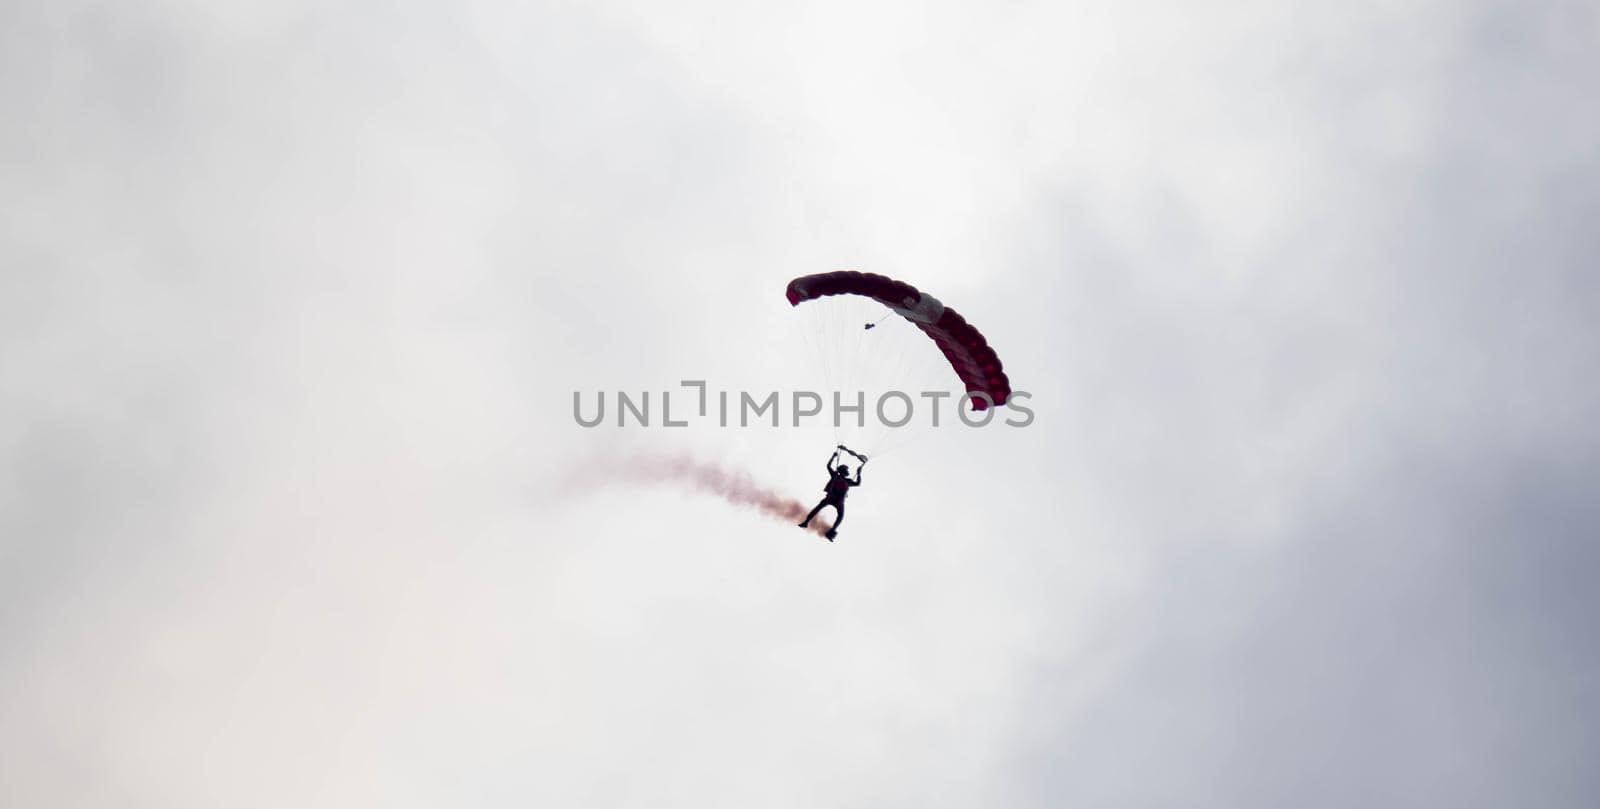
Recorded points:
(831, 534)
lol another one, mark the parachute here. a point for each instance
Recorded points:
(964, 347)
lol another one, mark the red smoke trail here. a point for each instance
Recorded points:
(734, 486)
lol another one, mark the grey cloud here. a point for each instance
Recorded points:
(293, 301)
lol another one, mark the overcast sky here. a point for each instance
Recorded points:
(293, 300)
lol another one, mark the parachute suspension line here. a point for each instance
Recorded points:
(819, 356)
(830, 320)
(878, 365)
(859, 367)
(894, 357)
(911, 369)
(856, 361)
(821, 334)
(838, 316)
(910, 436)
(914, 366)
(904, 344)
(842, 316)
(831, 325)
(871, 347)
(849, 343)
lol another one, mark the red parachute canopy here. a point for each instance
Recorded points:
(969, 354)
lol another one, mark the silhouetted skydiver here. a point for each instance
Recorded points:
(839, 485)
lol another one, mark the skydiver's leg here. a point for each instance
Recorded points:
(838, 517)
(807, 520)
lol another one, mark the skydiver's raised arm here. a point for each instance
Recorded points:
(832, 462)
(857, 481)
